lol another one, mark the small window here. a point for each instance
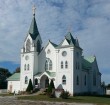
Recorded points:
(66, 64)
(76, 65)
(28, 67)
(38, 46)
(94, 79)
(26, 80)
(50, 65)
(28, 45)
(77, 80)
(64, 80)
(36, 81)
(61, 64)
(64, 53)
(77, 54)
(85, 80)
(46, 65)
(25, 67)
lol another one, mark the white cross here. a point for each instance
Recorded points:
(33, 9)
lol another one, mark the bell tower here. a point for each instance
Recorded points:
(29, 54)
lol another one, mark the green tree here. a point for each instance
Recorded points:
(50, 87)
(30, 86)
(4, 74)
(17, 70)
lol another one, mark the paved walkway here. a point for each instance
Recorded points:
(11, 100)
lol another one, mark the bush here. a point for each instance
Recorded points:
(64, 94)
(30, 87)
(51, 89)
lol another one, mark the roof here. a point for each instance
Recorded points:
(33, 30)
(87, 62)
(14, 77)
(51, 74)
(71, 41)
(55, 45)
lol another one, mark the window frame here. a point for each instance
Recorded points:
(64, 80)
(26, 80)
(28, 45)
(61, 65)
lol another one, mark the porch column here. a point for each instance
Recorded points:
(38, 83)
(49, 80)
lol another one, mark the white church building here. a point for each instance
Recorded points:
(62, 63)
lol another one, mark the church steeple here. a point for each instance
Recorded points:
(33, 30)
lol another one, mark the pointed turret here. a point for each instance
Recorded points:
(70, 38)
(33, 30)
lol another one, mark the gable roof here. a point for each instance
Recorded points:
(87, 62)
(71, 41)
(14, 77)
(51, 74)
(55, 45)
(33, 30)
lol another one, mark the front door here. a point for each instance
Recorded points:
(46, 82)
(10, 88)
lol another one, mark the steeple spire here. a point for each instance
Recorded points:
(33, 30)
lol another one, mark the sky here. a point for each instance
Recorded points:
(88, 20)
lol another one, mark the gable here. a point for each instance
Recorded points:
(50, 45)
(64, 43)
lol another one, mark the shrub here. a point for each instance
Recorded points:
(64, 94)
(30, 86)
(51, 89)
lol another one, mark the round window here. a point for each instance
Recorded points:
(64, 53)
(26, 57)
(48, 51)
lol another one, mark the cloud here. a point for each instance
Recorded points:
(89, 21)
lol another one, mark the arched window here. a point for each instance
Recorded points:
(76, 66)
(66, 64)
(46, 65)
(26, 80)
(61, 64)
(77, 80)
(25, 67)
(64, 80)
(38, 46)
(36, 81)
(50, 65)
(85, 80)
(94, 79)
(28, 67)
(77, 54)
(28, 45)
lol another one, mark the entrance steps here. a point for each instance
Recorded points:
(41, 91)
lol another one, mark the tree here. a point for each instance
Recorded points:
(4, 74)
(50, 88)
(30, 86)
(17, 70)
(108, 86)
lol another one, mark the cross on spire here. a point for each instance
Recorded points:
(33, 9)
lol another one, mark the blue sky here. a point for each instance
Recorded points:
(89, 20)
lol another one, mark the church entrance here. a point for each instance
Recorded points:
(10, 88)
(44, 81)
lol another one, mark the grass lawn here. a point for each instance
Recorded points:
(79, 99)
(6, 94)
